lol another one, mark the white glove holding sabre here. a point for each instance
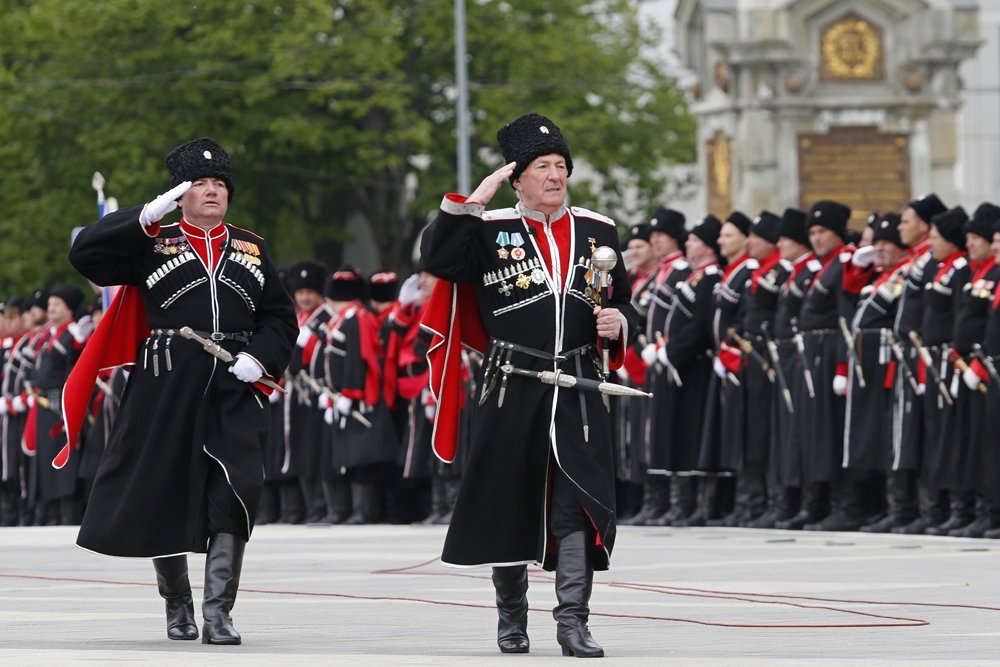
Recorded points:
(154, 211)
(246, 369)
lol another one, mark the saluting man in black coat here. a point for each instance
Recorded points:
(183, 469)
(538, 483)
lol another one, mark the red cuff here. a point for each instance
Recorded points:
(980, 370)
(854, 278)
(730, 357)
(635, 366)
(890, 374)
(353, 394)
(842, 369)
(616, 353)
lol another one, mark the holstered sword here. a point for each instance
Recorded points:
(925, 356)
(772, 351)
(987, 363)
(560, 379)
(800, 347)
(319, 388)
(222, 354)
(849, 342)
(897, 351)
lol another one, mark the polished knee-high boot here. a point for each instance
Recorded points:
(511, 583)
(223, 565)
(574, 582)
(175, 587)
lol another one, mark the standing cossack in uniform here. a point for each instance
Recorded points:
(538, 484)
(183, 468)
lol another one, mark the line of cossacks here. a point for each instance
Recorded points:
(804, 376)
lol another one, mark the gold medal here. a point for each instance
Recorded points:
(503, 253)
(523, 281)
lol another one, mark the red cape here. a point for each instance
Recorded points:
(113, 344)
(451, 316)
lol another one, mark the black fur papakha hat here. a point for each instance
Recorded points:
(383, 286)
(346, 284)
(951, 225)
(670, 222)
(793, 226)
(766, 225)
(927, 206)
(983, 221)
(707, 229)
(885, 227)
(528, 137)
(306, 275)
(71, 295)
(200, 158)
(830, 214)
(742, 222)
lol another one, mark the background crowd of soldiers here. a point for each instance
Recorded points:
(803, 376)
(350, 436)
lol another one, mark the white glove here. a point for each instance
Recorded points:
(863, 257)
(343, 405)
(328, 416)
(31, 401)
(719, 367)
(661, 355)
(3, 406)
(81, 329)
(155, 210)
(17, 403)
(648, 354)
(971, 379)
(622, 374)
(246, 369)
(921, 389)
(324, 401)
(840, 385)
(429, 411)
(305, 333)
(275, 397)
(409, 291)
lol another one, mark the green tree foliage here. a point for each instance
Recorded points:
(332, 110)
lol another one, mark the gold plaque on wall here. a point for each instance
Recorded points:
(862, 167)
(720, 174)
(851, 51)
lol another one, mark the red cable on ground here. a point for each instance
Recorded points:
(753, 598)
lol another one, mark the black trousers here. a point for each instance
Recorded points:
(567, 513)
(223, 511)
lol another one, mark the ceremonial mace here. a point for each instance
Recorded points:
(604, 260)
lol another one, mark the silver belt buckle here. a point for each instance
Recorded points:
(218, 336)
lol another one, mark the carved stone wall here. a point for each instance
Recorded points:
(843, 99)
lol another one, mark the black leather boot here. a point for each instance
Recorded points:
(574, 582)
(451, 487)
(223, 565)
(511, 584)
(655, 501)
(175, 587)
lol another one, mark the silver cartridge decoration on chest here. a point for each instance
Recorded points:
(516, 285)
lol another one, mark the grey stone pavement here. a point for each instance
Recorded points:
(377, 595)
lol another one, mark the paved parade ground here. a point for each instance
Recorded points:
(378, 595)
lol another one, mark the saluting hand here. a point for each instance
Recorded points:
(492, 184)
(155, 210)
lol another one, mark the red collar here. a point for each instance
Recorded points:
(195, 232)
(735, 264)
(920, 248)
